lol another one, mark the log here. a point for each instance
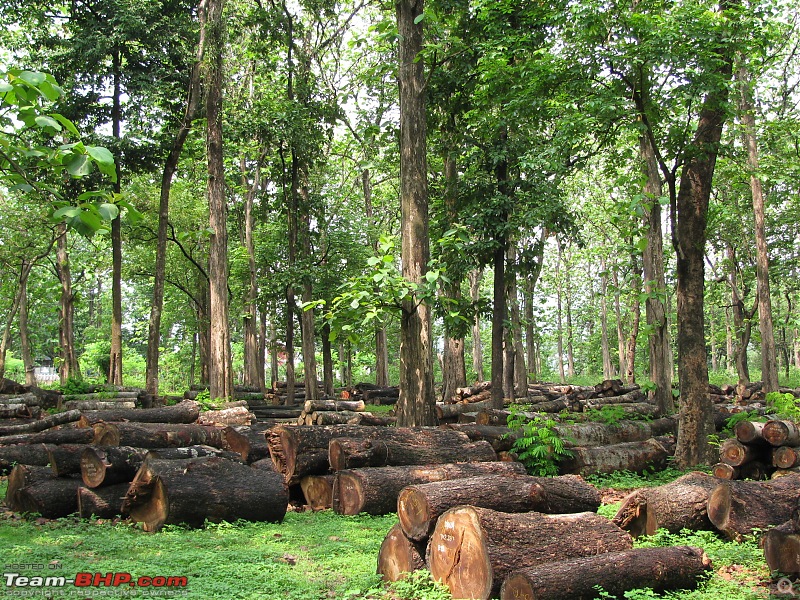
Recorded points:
(451, 411)
(342, 417)
(374, 490)
(399, 555)
(265, 463)
(749, 432)
(66, 459)
(237, 415)
(19, 411)
(311, 406)
(634, 397)
(102, 503)
(472, 550)
(183, 412)
(22, 475)
(735, 453)
(786, 457)
(117, 395)
(736, 508)
(52, 436)
(36, 490)
(156, 435)
(725, 471)
(782, 551)
(375, 420)
(662, 569)
(681, 504)
(353, 453)
(318, 491)
(23, 454)
(554, 406)
(781, 433)
(637, 408)
(255, 435)
(629, 456)
(493, 416)
(193, 490)
(42, 424)
(418, 506)
(756, 470)
(300, 451)
(110, 464)
(9, 386)
(783, 473)
(599, 434)
(99, 405)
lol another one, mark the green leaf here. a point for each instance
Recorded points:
(102, 155)
(78, 165)
(5, 87)
(67, 212)
(45, 121)
(66, 123)
(419, 18)
(33, 77)
(91, 219)
(108, 211)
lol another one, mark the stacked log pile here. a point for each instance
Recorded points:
(760, 450)
(339, 412)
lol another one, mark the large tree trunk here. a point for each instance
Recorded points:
(221, 372)
(417, 396)
(16, 300)
(742, 320)
(608, 368)
(115, 358)
(520, 381)
(69, 368)
(662, 569)
(696, 411)
(475, 278)
(559, 324)
(636, 313)
(472, 550)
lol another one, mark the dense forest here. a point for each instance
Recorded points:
(243, 192)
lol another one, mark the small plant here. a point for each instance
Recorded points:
(785, 405)
(612, 415)
(749, 415)
(204, 400)
(74, 386)
(540, 447)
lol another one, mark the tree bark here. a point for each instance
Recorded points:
(608, 367)
(782, 552)
(69, 368)
(559, 325)
(115, 358)
(417, 396)
(353, 453)
(628, 456)
(475, 277)
(24, 335)
(252, 375)
(101, 503)
(183, 412)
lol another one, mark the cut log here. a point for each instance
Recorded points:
(193, 490)
(42, 424)
(781, 433)
(599, 434)
(786, 457)
(318, 490)
(36, 490)
(265, 463)
(102, 503)
(499, 418)
(782, 551)
(19, 411)
(644, 409)
(629, 456)
(117, 395)
(399, 556)
(183, 412)
(320, 405)
(156, 435)
(22, 475)
(342, 417)
(24, 454)
(110, 464)
(784, 473)
(418, 506)
(554, 406)
(375, 420)
(682, 504)
(99, 405)
(375, 490)
(237, 415)
(725, 471)
(472, 550)
(58, 435)
(735, 453)
(353, 453)
(749, 432)
(634, 397)
(662, 569)
(736, 508)
(756, 470)
(66, 459)
(451, 411)
(256, 436)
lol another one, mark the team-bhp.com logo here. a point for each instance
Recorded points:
(83, 580)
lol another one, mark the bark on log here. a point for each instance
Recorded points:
(682, 504)
(756, 470)
(782, 550)
(452, 411)
(783, 473)
(101, 503)
(554, 406)
(311, 406)
(343, 417)
(472, 550)
(375, 420)
(155, 435)
(736, 508)
(662, 569)
(318, 491)
(110, 464)
(418, 506)
(193, 490)
(36, 490)
(66, 459)
(638, 408)
(374, 490)
(256, 437)
(41, 424)
(629, 456)
(749, 432)
(399, 555)
(735, 453)
(24, 454)
(786, 457)
(599, 434)
(118, 395)
(634, 397)
(354, 453)
(99, 405)
(499, 418)
(781, 433)
(237, 415)
(183, 412)
(19, 411)
(53, 436)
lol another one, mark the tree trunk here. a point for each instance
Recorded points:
(250, 317)
(475, 277)
(608, 368)
(399, 556)
(662, 569)
(417, 399)
(115, 358)
(559, 325)
(623, 368)
(741, 320)
(636, 313)
(472, 550)
(419, 506)
(69, 368)
(374, 490)
(273, 354)
(327, 360)
(158, 435)
(24, 336)
(262, 351)
(696, 412)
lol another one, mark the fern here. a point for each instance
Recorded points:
(539, 447)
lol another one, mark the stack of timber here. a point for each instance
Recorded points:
(372, 394)
(760, 450)
(339, 412)
(102, 400)
(278, 395)
(240, 392)
(13, 394)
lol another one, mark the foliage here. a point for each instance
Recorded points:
(785, 405)
(540, 447)
(749, 415)
(627, 480)
(612, 415)
(74, 386)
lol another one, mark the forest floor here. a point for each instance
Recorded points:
(310, 556)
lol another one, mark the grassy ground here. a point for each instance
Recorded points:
(310, 556)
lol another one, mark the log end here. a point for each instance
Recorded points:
(398, 556)
(153, 513)
(414, 514)
(719, 507)
(93, 467)
(517, 587)
(782, 552)
(347, 494)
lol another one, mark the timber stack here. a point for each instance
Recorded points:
(760, 450)
(339, 412)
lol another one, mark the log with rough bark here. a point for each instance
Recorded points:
(472, 550)
(9, 386)
(183, 412)
(110, 464)
(735, 453)
(628, 456)
(554, 406)
(341, 417)
(83, 405)
(418, 506)
(19, 411)
(311, 406)
(496, 417)
(193, 490)
(784, 472)
(466, 392)
(42, 424)
(781, 433)
(23, 454)
(451, 411)
(110, 395)
(756, 470)
(374, 490)
(782, 550)
(57, 435)
(237, 415)
(662, 569)
(388, 395)
(28, 399)
(736, 508)
(372, 420)
(634, 397)
(599, 434)
(156, 435)
(749, 432)
(256, 436)
(681, 504)
(399, 555)
(66, 459)
(786, 457)
(300, 451)
(102, 503)
(36, 490)
(354, 453)
(318, 491)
